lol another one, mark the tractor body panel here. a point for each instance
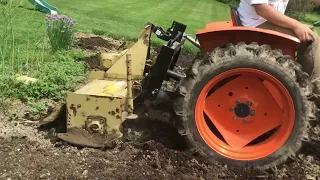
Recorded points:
(113, 65)
(218, 34)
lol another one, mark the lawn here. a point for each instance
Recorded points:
(57, 72)
(126, 18)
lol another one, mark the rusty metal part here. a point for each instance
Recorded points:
(58, 109)
(81, 137)
(100, 99)
(108, 59)
(96, 124)
(129, 105)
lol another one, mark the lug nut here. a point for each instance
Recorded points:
(253, 112)
(249, 103)
(235, 118)
(238, 101)
(245, 120)
(231, 108)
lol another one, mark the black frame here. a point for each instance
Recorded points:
(166, 60)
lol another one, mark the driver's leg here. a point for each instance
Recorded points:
(307, 55)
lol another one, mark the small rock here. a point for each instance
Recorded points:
(4, 175)
(284, 170)
(42, 176)
(309, 159)
(85, 173)
(194, 161)
(309, 177)
(185, 177)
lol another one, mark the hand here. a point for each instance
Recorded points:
(304, 33)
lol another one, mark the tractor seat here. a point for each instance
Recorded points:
(235, 16)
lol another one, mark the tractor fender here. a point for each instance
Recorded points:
(218, 34)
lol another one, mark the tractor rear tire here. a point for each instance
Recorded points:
(239, 123)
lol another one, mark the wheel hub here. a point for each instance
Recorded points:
(247, 118)
(242, 110)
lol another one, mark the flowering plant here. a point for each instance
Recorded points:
(60, 31)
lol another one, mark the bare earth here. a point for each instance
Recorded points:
(150, 148)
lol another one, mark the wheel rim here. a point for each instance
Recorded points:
(248, 123)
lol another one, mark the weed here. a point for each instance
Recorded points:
(37, 108)
(7, 37)
(98, 32)
(54, 79)
(60, 32)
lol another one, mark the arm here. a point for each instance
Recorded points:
(275, 17)
(303, 32)
(316, 2)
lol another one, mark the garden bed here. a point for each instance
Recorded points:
(151, 150)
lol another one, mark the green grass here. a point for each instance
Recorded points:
(311, 18)
(125, 19)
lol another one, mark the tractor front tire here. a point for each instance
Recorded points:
(246, 105)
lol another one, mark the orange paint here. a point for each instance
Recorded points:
(217, 34)
(237, 133)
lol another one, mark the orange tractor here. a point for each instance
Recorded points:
(245, 101)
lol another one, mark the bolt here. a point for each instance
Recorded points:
(249, 103)
(238, 101)
(253, 112)
(231, 108)
(245, 120)
(235, 118)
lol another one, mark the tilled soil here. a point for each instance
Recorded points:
(150, 149)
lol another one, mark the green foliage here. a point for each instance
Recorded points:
(98, 32)
(60, 32)
(54, 80)
(298, 9)
(7, 37)
(23, 50)
(37, 108)
(316, 9)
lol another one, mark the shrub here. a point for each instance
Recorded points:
(298, 8)
(60, 32)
